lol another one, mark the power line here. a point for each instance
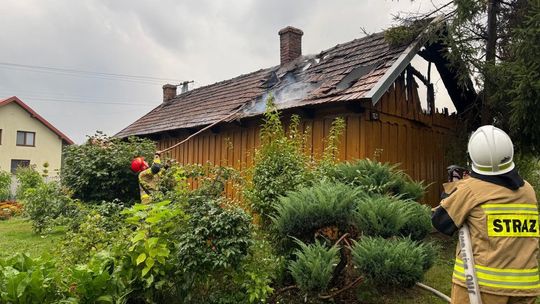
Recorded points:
(84, 101)
(83, 73)
(62, 97)
(41, 99)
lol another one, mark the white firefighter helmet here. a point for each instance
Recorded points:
(491, 151)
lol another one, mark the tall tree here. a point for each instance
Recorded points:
(497, 43)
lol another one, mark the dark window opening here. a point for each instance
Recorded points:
(16, 163)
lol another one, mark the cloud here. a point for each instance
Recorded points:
(205, 41)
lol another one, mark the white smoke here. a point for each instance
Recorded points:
(287, 90)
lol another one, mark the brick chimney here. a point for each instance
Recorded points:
(169, 92)
(290, 39)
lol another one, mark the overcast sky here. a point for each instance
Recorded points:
(205, 41)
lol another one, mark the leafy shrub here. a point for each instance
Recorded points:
(97, 282)
(301, 213)
(250, 282)
(26, 280)
(215, 237)
(314, 266)
(280, 165)
(100, 169)
(173, 182)
(97, 228)
(392, 262)
(258, 270)
(377, 178)
(213, 180)
(28, 178)
(5, 183)
(331, 149)
(148, 261)
(44, 204)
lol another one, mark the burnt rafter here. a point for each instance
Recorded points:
(307, 112)
(355, 107)
(463, 95)
(215, 129)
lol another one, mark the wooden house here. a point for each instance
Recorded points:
(368, 81)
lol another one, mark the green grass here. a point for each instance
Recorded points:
(16, 236)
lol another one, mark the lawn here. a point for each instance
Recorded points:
(16, 236)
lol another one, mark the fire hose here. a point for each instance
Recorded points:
(203, 129)
(471, 280)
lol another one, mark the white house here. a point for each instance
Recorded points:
(26, 138)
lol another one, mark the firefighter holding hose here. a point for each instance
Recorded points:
(148, 176)
(500, 211)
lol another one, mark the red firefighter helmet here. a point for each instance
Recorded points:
(138, 164)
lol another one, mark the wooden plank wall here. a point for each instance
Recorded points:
(403, 134)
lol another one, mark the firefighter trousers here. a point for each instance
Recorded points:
(461, 296)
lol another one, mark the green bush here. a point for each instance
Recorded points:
(301, 213)
(377, 178)
(44, 204)
(5, 185)
(25, 280)
(382, 216)
(28, 178)
(314, 266)
(250, 282)
(93, 229)
(392, 262)
(280, 164)
(148, 262)
(100, 169)
(210, 250)
(97, 282)
(259, 270)
(418, 223)
(215, 237)
(387, 216)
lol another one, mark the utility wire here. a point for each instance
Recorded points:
(38, 99)
(81, 99)
(84, 73)
(85, 101)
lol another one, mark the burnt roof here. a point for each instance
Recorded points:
(344, 72)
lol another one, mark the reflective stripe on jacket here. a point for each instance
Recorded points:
(500, 278)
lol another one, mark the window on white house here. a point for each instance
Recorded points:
(26, 138)
(16, 163)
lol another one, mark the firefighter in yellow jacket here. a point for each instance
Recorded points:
(501, 211)
(148, 180)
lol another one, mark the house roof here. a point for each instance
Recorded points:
(15, 99)
(362, 69)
